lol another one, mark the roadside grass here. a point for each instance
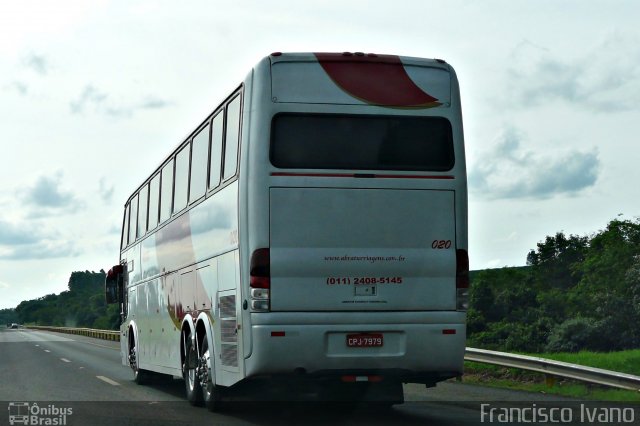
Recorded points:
(512, 378)
(622, 362)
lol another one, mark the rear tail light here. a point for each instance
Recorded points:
(260, 280)
(462, 280)
(115, 272)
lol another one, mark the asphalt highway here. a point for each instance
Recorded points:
(76, 380)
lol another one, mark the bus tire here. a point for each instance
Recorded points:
(189, 372)
(140, 377)
(211, 394)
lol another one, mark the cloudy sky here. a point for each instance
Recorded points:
(93, 95)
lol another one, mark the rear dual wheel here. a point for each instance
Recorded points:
(190, 373)
(211, 394)
(198, 376)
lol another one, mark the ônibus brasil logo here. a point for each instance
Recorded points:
(25, 413)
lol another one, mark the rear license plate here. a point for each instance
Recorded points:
(367, 340)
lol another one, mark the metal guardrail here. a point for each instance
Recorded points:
(555, 368)
(89, 332)
(541, 365)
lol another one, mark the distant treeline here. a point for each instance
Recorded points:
(8, 316)
(576, 292)
(83, 305)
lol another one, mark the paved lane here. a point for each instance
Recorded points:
(43, 366)
(85, 375)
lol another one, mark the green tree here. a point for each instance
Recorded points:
(555, 260)
(81, 306)
(8, 316)
(612, 253)
(578, 292)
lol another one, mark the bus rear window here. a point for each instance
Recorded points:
(328, 141)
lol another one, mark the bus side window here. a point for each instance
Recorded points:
(181, 184)
(125, 228)
(231, 140)
(133, 219)
(166, 194)
(215, 161)
(199, 159)
(154, 201)
(143, 210)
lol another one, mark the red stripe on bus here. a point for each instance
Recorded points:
(377, 79)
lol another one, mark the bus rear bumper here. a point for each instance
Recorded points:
(420, 347)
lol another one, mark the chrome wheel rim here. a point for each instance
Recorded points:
(204, 378)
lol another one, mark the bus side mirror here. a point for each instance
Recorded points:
(113, 284)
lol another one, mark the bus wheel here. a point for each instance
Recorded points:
(141, 377)
(211, 394)
(189, 372)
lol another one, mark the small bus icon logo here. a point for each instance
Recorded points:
(18, 413)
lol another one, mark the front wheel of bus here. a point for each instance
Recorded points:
(140, 377)
(211, 394)
(189, 372)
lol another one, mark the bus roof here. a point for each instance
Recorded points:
(360, 79)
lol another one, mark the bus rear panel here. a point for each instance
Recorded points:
(358, 220)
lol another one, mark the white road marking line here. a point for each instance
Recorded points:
(37, 345)
(108, 380)
(47, 350)
(64, 360)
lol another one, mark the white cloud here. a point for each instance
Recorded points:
(37, 63)
(17, 234)
(153, 102)
(89, 98)
(508, 170)
(605, 79)
(28, 240)
(20, 87)
(47, 197)
(45, 249)
(94, 100)
(106, 191)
